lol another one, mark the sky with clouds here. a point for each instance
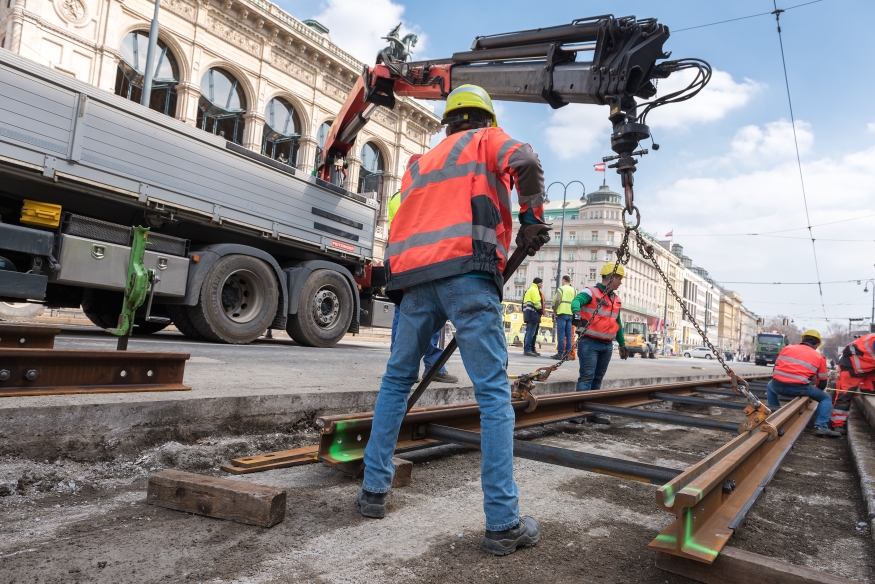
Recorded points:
(727, 163)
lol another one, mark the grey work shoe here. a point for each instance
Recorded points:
(501, 543)
(843, 430)
(556, 356)
(530, 354)
(599, 419)
(442, 377)
(823, 431)
(371, 504)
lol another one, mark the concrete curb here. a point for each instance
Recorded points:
(100, 431)
(861, 440)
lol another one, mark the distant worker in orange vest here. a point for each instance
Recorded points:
(595, 348)
(797, 369)
(447, 249)
(856, 375)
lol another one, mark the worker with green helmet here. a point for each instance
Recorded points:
(595, 347)
(449, 244)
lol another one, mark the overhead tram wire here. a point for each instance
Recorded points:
(777, 14)
(771, 232)
(744, 17)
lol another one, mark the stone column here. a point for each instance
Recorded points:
(187, 96)
(253, 133)
(307, 153)
(352, 173)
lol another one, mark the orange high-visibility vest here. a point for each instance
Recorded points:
(455, 214)
(605, 326)
(800, 365)
(862, 355)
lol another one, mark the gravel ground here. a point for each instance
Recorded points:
(63, 521)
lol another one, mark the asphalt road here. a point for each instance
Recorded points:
(279, 365)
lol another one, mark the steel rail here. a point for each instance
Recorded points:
(699, 401)
(68, 371)
(627, 469)
(711, 498)
(668, 417)
(21, 336)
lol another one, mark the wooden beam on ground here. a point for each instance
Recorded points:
(735, 566)
(217, 497)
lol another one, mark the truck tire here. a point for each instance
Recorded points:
(237, 302)
(20, 311)
(102, 308)
(179, 315)
(324, 310)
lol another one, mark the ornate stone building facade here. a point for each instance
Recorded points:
(243, 69)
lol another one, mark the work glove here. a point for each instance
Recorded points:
(624, 353)
(575, 320)
(536, 243)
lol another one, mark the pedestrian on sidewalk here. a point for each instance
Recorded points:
(595, 347)
(796, 369)
(562, 309)
(447, 250)
(533, 310)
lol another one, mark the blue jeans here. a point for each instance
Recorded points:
(563, 333)
(824, 402)
(531, 333)
(431, 356)
(594, 356)
(473, 306)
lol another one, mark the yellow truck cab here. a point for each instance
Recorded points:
(639, 341)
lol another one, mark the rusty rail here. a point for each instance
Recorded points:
(25, 336)
(51, 371)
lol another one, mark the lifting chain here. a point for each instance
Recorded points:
(755, 412)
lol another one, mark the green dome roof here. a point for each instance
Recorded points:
(603, 195)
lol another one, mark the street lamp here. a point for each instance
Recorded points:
(872, 318)
(562, 228)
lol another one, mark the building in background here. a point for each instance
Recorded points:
(242, 69)
(729, 325)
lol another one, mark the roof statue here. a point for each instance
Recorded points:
(399, 49)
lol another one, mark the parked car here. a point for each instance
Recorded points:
(699, 352)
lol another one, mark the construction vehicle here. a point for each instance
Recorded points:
(768, 346)
(639, 341)
(243, 243)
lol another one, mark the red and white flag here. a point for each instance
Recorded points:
(670, 233)
(599, 167)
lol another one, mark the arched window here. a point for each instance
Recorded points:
(131, 69)
(221, 105)
(282, 128)
(371, 172)
(321, 136)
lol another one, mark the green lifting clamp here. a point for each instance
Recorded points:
(140, 280)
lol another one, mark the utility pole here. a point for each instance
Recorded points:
(150, 58)
(871, 318)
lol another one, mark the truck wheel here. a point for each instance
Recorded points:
(20, 311)
(324, 310)
(238, 300)
(102, 308)
(178, 313)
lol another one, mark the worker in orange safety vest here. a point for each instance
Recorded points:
(448, 247)
(856, 375)
(797, 368)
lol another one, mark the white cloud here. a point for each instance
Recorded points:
(575, 130)
(871, 127)
(357, 27)
(757, 196)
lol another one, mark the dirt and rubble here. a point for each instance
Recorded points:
(67, 521)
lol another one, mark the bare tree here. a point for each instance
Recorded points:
(834, 340)
(776, 325)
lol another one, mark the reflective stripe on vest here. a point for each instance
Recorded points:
(799, 364)
(605, 326)
(863, 354)
(567, 295)
(455, 215)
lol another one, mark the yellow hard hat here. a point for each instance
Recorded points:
(608, 269)
(469, 96)
(812, 333)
